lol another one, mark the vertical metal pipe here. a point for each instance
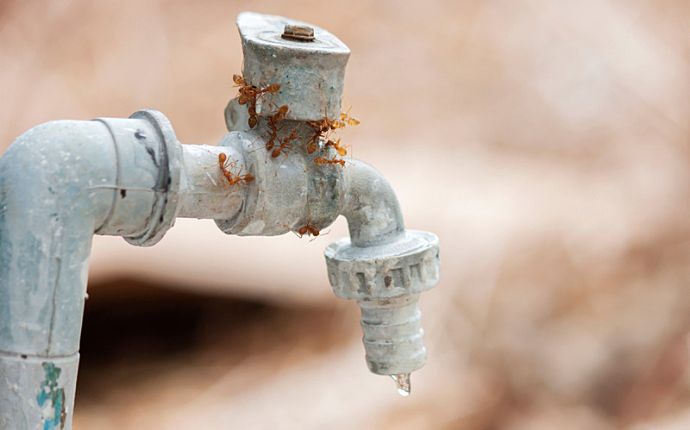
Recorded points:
(52, 201)
(59, 183)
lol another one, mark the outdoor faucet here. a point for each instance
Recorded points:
(63, 181)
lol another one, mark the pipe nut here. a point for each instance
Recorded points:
(168, 156)
(148, 160)
(406, 266)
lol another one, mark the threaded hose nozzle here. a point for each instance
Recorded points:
(386, 281)
(393, 335)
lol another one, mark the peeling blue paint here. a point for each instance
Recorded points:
(50, 392)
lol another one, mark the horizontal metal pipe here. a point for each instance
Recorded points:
(131, 177)
(204, 192)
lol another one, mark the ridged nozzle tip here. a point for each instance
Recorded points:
(393, 335)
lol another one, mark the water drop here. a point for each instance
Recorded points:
(402, 380)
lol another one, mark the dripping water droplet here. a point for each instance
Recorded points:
(402, 380)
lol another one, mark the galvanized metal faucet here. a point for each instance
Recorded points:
(63, 181)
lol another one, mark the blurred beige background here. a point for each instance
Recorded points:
(546, 143)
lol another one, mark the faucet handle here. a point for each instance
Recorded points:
(386, 281)
(307, 61)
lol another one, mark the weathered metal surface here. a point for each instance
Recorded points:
(204, 192)
(63, 181)
(147, 160)
(406, 266)
(386, 281)
(58, 184)
(167, 155)
(37, 393)
(311, 75)
(301, 33)
(289, 191)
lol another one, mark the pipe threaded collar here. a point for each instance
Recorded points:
(386, 281)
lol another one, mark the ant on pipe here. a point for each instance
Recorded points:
(323, 128)
(308, 230)
(342, 151)
(249, 94)
(273, 121)
(231, 177)
(284, 144)
(321, 161)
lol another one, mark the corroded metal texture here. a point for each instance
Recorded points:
(60, 183)
(51, 202)
(310, 74)
(64, 181)
(406, 266)
(37, 392)
(386, 281)
(147, 164)
(289, 191)
(168, 158)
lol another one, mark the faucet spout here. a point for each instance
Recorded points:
(384, 268)
(370, 206)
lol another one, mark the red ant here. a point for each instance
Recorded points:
(320, 127)
(324, 127)
(346, 119)
(336, 145)
(284, 144)
(312, 144)
(323, 161)
(249, 94)
(308, 230)
(232, 178)
(273, 121)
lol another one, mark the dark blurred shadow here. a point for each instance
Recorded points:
(136, 333)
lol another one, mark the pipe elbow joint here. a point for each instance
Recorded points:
(47, 218)
(61, 182)
(53, 163)
(107, 176)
